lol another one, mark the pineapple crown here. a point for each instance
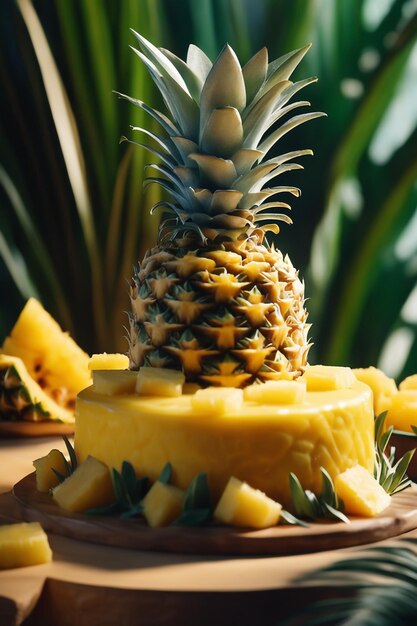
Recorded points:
(213, 147)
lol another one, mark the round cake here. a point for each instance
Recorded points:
(257, 443)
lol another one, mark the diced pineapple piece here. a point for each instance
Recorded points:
(242, 505)
(106, 361)
(88, 487)
(46, 478)
(361, 493)
(383, 387)
(409, 383)
(23, 544)
(114, 382)
(162, 504)
(158, 381)
(276, 392)
(328, 377)
(217, 400)
(402, 413)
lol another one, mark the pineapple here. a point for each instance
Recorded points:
(52, 358)
(106, 361)
(22, 399)
(217, 401)
(89, 486)
(213, 298)
(46, 478)
(328, 378)
(242, 505)
(162, 504)
(384, 389)
(23, 544)
(361, 493)
(276, 392)
(114, 382)
(159, 382)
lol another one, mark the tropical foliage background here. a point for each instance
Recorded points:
(74, 216)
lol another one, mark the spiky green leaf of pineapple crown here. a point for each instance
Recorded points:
(212, 151)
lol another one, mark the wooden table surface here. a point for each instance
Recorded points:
(88, 584)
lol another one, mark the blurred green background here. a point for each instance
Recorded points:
(73, 214)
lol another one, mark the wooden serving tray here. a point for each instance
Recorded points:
(134, 534)
(35, 429)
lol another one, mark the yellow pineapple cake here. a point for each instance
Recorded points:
(218, 377)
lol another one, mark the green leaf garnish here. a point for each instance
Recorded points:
(391, 474)
(193, 517)
(198, 494)
(307, 504)
(166, 474)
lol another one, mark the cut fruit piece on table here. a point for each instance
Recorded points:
(23, 544)
(242, 505)
(22, 399)
(114, 382)
(217, 400)
(327, 377)
(106, 361)
(90, 486)
(51, 356)
(162, 504)
(383, 387)
(46, 478)
(276, 392)
(361, 493)
(157, 381)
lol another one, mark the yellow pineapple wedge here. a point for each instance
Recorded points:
(22, 399)
(402, 413)
(242, 505)
(51, 356)
(361, 493)
(162, 504)
(217, 400)
(46, 478)
(114, 382)
(276, 392)
(104, 361)
(327, 377)
(23, 544)
(408, 383)
(88, 487)
(383, 387)
(157, 381)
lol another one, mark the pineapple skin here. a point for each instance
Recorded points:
(225, 316)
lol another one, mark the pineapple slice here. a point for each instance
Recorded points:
(22, 399)
(88, 487)
(383, 388)
(217, 400)
(162, 504)
(46, 478)
(276, 392)
(402, 412)
(114, 382)
(157, 381)
(106, 361)
(327, 378)
(409, 383)
(242, 505)
(361, 493)
(52, 358)
(23, 544)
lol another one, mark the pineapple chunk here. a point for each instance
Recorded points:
(409, 383)
(383, 388)
(157, 381)
(114, 382)
(328, 377)
(46, 478)
(162, 504)
(217, 400)
(402, 413)
(106, 361)
(23, 544)
(276, 392)
(361, 493)
(242, 505)
(88, 487)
